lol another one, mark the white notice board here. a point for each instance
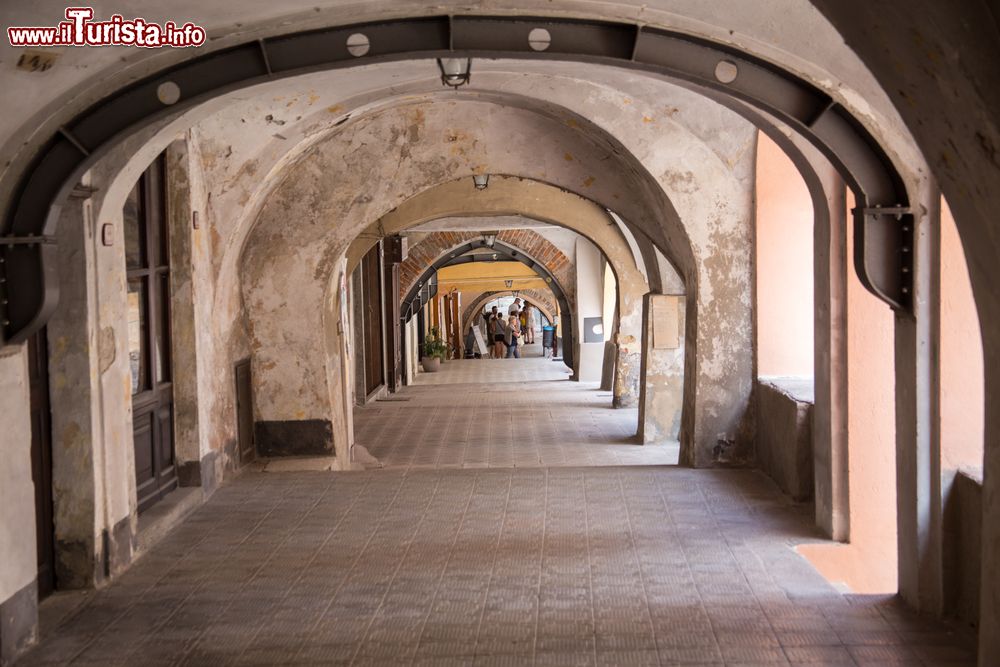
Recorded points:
(666, 322)
(479, 340)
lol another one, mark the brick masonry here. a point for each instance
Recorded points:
(434, 245)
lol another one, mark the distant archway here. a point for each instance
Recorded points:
(533, 297)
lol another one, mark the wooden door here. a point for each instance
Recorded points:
(372, 306)
(147, 259)
(41, 459)
(393, 336)
(244, 412)
(456, 325)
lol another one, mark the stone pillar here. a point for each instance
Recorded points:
(918, 451)
(830, 266)
(197, 463)
(589, 308)
(79, 351)
(868, 562)
(661, 384)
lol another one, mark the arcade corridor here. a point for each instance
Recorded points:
(244, 279)
(425, 563)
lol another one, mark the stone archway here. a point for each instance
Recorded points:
(538, 299)
(436, 244)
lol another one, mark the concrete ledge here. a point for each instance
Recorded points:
(784, 433)
(164, 516)
(963, 528)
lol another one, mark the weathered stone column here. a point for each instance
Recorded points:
(78, 353)
(661, 387)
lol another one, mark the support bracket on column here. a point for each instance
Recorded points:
(883, 253)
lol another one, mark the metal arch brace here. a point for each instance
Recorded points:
(77, 144)
(883, 253)
(458, 256)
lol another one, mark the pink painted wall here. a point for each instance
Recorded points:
(962, 398)
(784, 265)
(868, 563)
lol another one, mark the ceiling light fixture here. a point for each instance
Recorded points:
(481, 181)
(455, 72)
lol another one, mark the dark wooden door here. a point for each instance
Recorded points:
(372, 298)
(147, 258)
(244, 411)
(447, 334)
(393, 340)
(41, 459)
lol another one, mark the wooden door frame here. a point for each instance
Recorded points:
(241, 459)
(154, 276)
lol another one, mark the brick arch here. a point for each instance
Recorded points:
(429, 249)
(540, 300)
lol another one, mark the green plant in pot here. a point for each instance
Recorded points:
(434, 351)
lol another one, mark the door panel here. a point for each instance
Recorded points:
(166, 475)
(244, 411)
(41, 460)
(143, 442)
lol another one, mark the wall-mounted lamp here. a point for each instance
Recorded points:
(481, 181)
(508, 283)
(490, 239)
(455, 72)
(516, 293)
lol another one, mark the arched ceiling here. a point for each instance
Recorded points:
(790, 32)
(809, 58)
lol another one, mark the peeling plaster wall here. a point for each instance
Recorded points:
(281, 260)
(18, 566)
(689, 132)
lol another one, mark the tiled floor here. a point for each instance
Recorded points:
(570, 566)
(639, 565)
(477, 413)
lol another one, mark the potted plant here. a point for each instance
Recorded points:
(434, 351)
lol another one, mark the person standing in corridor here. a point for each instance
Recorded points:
(497, 334)
(513, 334)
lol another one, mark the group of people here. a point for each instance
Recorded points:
(507, 333)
